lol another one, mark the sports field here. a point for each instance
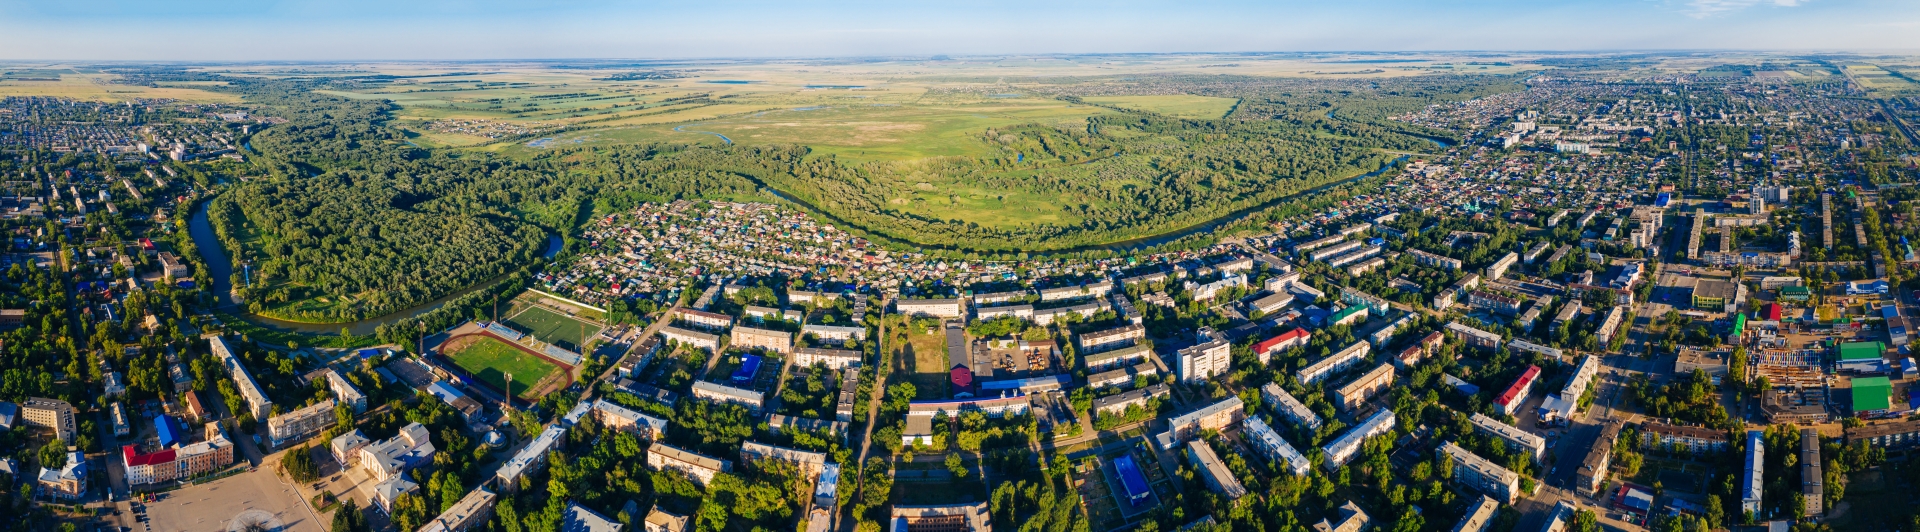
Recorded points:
(554, 327)
(489, 360)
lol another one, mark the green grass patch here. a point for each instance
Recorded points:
(1180, 105)
(553, 327)
(864, 131)
(924, 363)
(490, 360)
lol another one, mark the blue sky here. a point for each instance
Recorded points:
(204, 30)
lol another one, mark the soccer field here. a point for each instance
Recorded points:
(490, 360)
(553, 327)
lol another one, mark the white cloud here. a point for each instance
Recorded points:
(1710, 8)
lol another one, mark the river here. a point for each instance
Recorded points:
(214, 254)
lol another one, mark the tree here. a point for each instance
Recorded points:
(54, 454)
(956, 465)
(450, 492)
(299, 465)
(348, 518)
(1585, 521)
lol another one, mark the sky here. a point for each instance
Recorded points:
(328, 30)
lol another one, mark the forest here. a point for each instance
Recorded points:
(351, 220)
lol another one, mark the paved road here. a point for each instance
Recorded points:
(116, 471)
(660, 322)
(873, 415)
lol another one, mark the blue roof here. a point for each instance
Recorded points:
(369, 353)
(748, 366)
(169, 429)
(1131, 480)
(1016, 384)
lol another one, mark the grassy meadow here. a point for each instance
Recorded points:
(1178, 105)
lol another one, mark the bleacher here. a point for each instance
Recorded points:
(504, 332)
(569, 357)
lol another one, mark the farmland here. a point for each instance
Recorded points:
(97, 87)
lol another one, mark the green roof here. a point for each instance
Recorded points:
(1740, 324)
(1861, 350)
(1871, 394)
(1801, 290)
(1349, 311)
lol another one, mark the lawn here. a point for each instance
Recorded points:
(1180, 105)
(553, 327)
(490, 360)
(924, 363)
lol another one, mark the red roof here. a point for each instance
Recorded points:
(961, 376)
(1289, 336)
(1519, 385)
(1771, 311)
(134, 458)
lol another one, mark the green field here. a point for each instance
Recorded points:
(924, 363)
(553, 327)
(1180, 105)
(892, 128)
(490, 360)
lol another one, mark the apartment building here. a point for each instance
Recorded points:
(1269, 444)
(1213, 472)
(51, 414)
(1431, 260)
(1217, 416)
(1343, 448)
(257, 402)
(530, 459)
(689, 337)
(1339, 360)
(298, 425)
(1122, 336)
(471, 512)
(1516, 439)
(711, 321)
(1296, 337)
(1481, 474)
(1288, 407)
(720, 393)
(1499, 268)
(1204, 361)
(701, 469)
(745, 337)
(1116, 358)
(937, 308)
(1694, 440)
(833, 359)
(809, 463)
(344, 391)
(1354, 394)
